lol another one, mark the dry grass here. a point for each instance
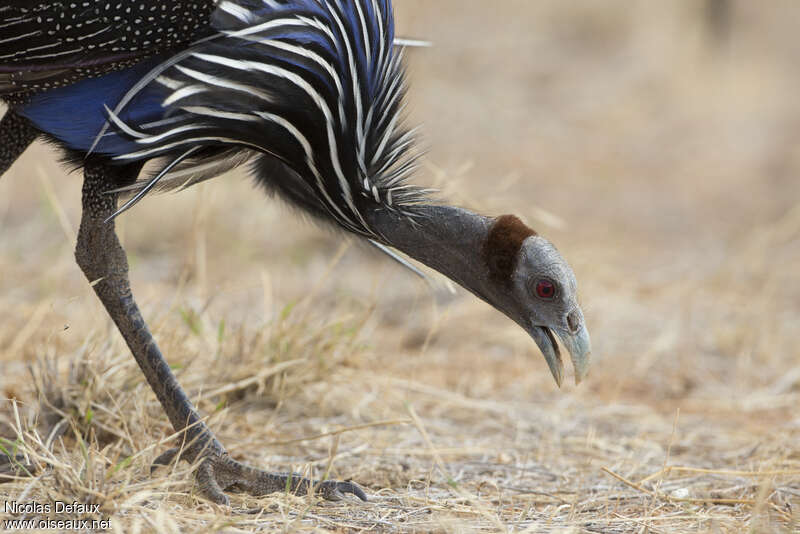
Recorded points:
(663, 165)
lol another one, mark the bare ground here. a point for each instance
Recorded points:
(662, 159)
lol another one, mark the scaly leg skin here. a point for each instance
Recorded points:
(103, 261)
(16, 134)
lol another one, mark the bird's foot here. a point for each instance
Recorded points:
(219, 472)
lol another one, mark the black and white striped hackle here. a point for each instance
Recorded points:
(314, 88)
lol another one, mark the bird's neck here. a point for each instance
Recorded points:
(448, 239)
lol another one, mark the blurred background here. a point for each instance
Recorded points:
(657, 144)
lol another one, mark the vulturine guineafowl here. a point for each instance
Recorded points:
(307, 93)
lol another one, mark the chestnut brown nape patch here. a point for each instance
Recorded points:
(502, 246)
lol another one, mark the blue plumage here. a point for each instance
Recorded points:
(75, 114)
(315, 85)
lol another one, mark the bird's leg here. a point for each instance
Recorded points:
(103, 261)
(16, 134)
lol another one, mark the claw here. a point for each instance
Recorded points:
(353, 488)
(332, 490)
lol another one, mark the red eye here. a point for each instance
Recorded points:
(545, 289)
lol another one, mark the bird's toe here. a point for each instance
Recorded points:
(164, 459)
(218, 473)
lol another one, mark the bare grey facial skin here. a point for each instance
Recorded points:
(548, 291)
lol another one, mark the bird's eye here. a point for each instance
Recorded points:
(545, 289)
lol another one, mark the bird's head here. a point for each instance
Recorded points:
(531, 283)
(506, 264)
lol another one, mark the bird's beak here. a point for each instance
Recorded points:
(547, 344)
(580, 350)
(578, 344)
